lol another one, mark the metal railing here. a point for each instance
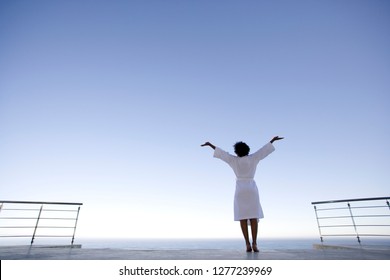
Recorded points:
(35, 219)
(353, 217)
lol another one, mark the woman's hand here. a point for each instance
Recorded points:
(276, 138)
(208, 144)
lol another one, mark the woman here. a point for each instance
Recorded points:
(247, 207)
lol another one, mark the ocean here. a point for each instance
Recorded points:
(219, 244)
(193, 244)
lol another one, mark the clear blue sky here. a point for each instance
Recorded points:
(107, 103)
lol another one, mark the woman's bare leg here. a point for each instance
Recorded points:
(254, 227)
(244, 228)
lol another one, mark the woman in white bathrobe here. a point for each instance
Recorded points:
(247, 207)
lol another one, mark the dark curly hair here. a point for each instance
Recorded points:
(241, 149)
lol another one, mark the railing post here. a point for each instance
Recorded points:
(388, 204)
(36, 226)
(318, 224)
(75, 225)
(353, 222)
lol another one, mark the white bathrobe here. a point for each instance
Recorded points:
(246, 198)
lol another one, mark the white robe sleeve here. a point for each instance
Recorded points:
(263, 152)
(221, 154)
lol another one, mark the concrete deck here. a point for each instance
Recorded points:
(77, 253)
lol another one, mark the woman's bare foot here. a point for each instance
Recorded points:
(255, 249)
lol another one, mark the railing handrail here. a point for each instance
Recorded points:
(350, 200)
(353, 217)
(40, 202)
(41, 210)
